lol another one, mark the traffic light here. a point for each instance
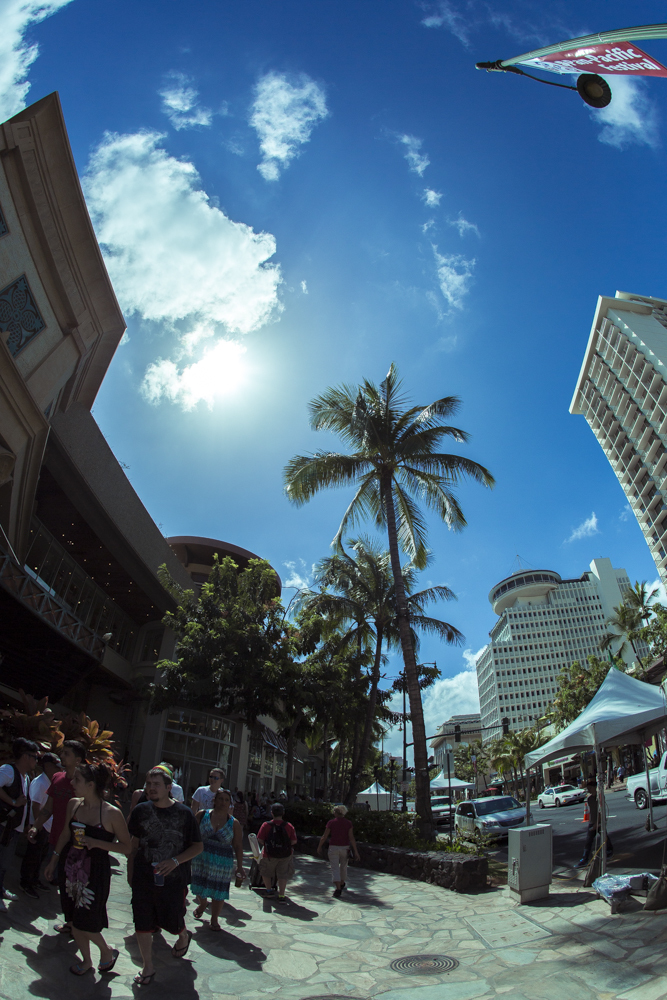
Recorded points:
(506, 727)
(457, 734)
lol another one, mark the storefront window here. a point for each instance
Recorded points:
(255, 756)
(280, 764)
(268, 761)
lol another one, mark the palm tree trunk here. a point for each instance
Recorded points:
(325, 760)
(423, 796)
(362, 756)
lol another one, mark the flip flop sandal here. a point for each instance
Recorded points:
(77, 970)
(182, 952)
(140, 980)
(106, 967)
(63, 929)
(200, 911)
(215, 926)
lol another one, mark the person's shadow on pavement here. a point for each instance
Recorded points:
(224, 944)
(289, 909)
(51, 966)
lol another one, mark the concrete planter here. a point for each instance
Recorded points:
(459, 872)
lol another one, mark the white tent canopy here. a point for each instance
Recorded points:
(442, 781)
(623, 711)
(376, 796)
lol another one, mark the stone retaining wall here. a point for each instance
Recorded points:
(460, 872)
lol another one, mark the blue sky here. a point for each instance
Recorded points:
(295, 194)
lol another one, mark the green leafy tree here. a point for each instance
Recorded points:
(234, 647)
(465, 767)
(397, 467)
(654, 633)
(624, 626)
(578, 684)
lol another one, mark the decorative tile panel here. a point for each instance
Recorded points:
(19, 315)
(4, 228)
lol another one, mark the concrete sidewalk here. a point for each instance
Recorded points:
(568, 947)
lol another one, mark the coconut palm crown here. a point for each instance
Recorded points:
(398, 468)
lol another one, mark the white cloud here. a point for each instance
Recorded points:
(299, 578)
(447, 344)
(454, 276)
(418, 162)
(180, 103)
(455, 695)
(626, 514)
(464, 226)
(445, 15)
(630, 118)
(661, 596)
(428, 225)
(284, 114)
(16, 54)
(219, 372)
(172, 255)
(431, 198)
(304, 287)
(585, 529)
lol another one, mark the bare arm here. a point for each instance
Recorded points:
(42, 816)
(62, 840)
(323, 839)
(171, 864)
(8, 800)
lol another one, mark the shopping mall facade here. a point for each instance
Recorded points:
(81, 605)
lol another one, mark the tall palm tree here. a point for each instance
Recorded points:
(397, 467)
(360, 591)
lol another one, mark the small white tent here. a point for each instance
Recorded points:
(376, 796)
(442, 783)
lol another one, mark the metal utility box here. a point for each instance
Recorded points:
(529, 862)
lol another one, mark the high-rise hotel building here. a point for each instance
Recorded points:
(544, 623)
(622, 392)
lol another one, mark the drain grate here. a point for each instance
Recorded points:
(424, 965)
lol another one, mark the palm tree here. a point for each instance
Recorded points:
(625, 622)
(640, 600)
(397, 467)
(363, 595)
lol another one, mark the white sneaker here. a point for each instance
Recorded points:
(11, 896)
(3, 906)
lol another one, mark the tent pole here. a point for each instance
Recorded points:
(602, 810)
(651, 824)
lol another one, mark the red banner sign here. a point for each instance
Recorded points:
(607, 59)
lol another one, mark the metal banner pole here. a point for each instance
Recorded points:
(602, 810)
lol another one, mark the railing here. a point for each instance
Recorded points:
(54, 569)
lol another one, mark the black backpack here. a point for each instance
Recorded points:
(278, 844)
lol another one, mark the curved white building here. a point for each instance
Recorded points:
(544, 623)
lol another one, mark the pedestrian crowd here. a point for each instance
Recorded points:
(72, 827)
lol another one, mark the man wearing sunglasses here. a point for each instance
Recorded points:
(205, 794)
(14, 786)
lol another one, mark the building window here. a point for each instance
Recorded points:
(19, 315)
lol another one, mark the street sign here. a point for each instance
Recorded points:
(621, 59)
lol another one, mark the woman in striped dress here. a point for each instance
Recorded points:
(212, 870)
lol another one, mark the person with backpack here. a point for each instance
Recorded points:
(277, 839)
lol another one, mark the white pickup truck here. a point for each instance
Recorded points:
(636, 785)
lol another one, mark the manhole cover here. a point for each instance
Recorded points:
(424, 965)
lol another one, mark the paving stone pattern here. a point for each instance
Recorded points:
(568, 947)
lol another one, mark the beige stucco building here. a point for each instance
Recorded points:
(80, 600)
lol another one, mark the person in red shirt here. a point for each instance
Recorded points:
(58, 795)
(277, 838)
(339, 830)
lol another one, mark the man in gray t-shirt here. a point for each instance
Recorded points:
(205, 794)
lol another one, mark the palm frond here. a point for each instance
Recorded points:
(306, 475)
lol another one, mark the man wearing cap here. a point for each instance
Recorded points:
(277, 838)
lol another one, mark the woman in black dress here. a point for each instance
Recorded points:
(92, 829)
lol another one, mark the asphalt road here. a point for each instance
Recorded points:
(633, 846)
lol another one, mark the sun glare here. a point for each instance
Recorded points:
(220, 371)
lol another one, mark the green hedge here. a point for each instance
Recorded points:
(391, 829)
